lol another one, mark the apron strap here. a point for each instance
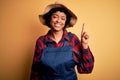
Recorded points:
(65, 43)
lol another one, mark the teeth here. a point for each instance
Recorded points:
(57, 25)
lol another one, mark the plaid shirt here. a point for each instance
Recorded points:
(83, 57)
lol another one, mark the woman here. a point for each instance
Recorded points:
(59, 51)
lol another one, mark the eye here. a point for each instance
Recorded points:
(54, 16)
(63, 18)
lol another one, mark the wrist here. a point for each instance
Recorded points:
(85, 46)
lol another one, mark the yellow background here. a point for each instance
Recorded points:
(20, 27)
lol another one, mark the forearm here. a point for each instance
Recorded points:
(86, 62)
(34, 72)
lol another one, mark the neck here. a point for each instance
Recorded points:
(56, 35)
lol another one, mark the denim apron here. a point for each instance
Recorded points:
(57, 63)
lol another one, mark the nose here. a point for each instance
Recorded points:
(58, 20)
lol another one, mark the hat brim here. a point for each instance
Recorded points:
(73, 18)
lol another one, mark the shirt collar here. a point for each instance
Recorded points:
(64, 37)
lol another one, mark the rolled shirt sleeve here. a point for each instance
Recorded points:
(83, 57)
(86, 62)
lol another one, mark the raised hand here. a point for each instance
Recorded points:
(84, 38)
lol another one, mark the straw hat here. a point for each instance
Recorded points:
(73, 19)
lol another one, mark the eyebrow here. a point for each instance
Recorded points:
(57, 15)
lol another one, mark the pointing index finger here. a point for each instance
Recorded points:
(82, 31)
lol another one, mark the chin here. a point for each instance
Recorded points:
(57, 29)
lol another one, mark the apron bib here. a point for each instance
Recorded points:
(57, 63)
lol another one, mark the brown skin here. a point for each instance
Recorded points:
(57, 22)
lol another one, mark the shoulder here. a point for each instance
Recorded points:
(41, 38)
(40, 44)
(72, 35)
(73, 38)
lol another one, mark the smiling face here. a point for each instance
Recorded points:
(58, 21)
